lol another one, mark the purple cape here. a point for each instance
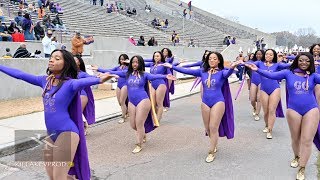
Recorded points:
(226, 127)
(81, 162)
(89, 110)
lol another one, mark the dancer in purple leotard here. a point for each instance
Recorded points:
(122, 92)
(63, 116)
(159, 86)
(139, 102)
(255, 87)
(315, 51)
(216, 107)
(302, 112)
(167, 53)
(270, 89)
(86, 96)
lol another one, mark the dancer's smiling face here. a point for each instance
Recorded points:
(213, 60)
(269, 56)
(56, 62)
(303, 62)
(316, 50)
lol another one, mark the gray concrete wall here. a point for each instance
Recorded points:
(33, 46)
(106, 53)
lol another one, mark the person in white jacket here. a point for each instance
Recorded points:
(49, 44)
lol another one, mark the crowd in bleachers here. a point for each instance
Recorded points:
(142, 42)
(25, 26)
(228, 40)
(160, 24)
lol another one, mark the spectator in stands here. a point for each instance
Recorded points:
(162, 24)
(32, 8)
(8, 54)
(134, 11)
(154, 22)
(22, 52)
(184, 13)
(166, 23)
(52, 7)
(101, 2)
(59, 9)
(4, 36)
(120, 7)
(129, 12)
(46, 3)
(19, 19)
(258, 44)
(48, 43)
(180, 4)
(47, 21)
(13, 28)
(191, 43)
(40, 3)
(77, 43)
(21, 6)
(27, 26)
(228, 41)
(173, 38)
(147, 8)
(1, 15)
(190, 14)
(225, 40)
(233, 41)
(151, 41)
(141, 41)
(39, 31)
(58, 23)
(240, 68)
(41, 12)
(132, 41)
(189, 5)
(94, 2)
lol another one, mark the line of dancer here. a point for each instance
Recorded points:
(67, 95)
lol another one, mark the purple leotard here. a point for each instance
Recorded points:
(213, 94)
(300, 98)
(269, 85)
(156, 69)
(136, 85)
(255, 77)
(121, 81)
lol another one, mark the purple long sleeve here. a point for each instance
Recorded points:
(170, 60)
(149, 64)
(84, 75)
(78, 84)
(274, 75)
(193, 64)
(121, 74)
(152, 77)
(193, 72)
(148, 60)
(227, 72)
(29, 78)
(107, 70)
(291, 57)
(283, 66)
